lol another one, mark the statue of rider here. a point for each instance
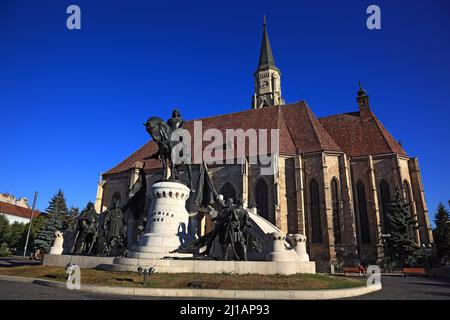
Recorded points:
(175, 123)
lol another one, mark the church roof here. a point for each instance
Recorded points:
(358, 136)
(266, 59)
(299, 132)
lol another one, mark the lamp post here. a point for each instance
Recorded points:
(146, 271)
(382, 241)
(29, 226)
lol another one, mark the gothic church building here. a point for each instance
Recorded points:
(335, 174)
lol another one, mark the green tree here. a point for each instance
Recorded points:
(401, 248)
(15, 235)
(4, 229)
(70, 222)
(4, 250)
(55, 214)
(36, 226)
(441, 233)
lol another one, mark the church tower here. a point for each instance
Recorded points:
(267, 77)
(363, 102)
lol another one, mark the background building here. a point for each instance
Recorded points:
(335, 174)
(16, 210)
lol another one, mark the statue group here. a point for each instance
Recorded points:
(232, 235)
(106, 234)
(102, 235)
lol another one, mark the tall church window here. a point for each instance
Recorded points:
(408, 199)
(336, 216)
(385, 197)
(262, 199)
(407, 192)
(315, 212)
(363, 214)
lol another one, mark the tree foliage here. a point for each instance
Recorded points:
(441, 233)
(70, 221)
(401, 248)
(4, 229)
(36, 226)
(55, 220)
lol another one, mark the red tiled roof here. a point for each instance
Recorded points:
(14, 210)
(358, 136)
(299, 132)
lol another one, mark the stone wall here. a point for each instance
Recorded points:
(289, 198)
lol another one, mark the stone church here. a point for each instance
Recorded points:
(335, 174)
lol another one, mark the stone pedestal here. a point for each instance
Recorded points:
(299, 244)
(57, 247)
(278, 252)
(167, 223)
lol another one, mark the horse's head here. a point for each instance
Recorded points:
(153, 127)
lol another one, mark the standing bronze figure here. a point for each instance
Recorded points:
(86, 230)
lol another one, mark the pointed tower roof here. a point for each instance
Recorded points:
(266, 59)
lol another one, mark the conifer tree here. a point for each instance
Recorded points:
(441, 233)
(55, 214)
(70, 221)
(4, 229)
(401, 248)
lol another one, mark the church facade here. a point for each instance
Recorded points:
(333, 180)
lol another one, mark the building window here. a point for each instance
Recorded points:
(408, 199)
(336, 215)
(315, 212)
(228, 191)
(385, 197)
(262, 199)
(363, 215)
(407, 192)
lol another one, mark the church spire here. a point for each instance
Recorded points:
(267, 76)
(266, 59)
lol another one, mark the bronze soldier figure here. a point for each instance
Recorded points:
(86, 230)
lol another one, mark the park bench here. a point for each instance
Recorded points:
(353, 270)
(414, 271)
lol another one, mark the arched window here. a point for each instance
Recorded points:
(228, 191)
(262, 199)
(336, 216)
(315, 212)
(385, 197)
(407, 192)
(408, 199)
(362, 211)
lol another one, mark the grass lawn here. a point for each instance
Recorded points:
(186, 280)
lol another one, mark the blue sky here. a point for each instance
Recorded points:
(72, 103)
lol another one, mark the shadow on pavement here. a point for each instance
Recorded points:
(10, 262)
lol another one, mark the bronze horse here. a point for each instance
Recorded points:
(161, 133)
